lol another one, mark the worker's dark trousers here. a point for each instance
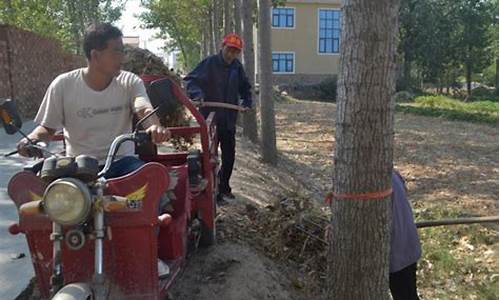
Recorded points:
(403, 283)
(227, 143)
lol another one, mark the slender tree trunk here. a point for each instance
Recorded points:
(95, 11)
(212, 45)
(407, 71)
(227, 17)
(71, 10)
(359, 266)
(249, 118)
(496, 76)
(237, 16)
(268, 129)
(468, 78)
(176, 35)
(205, 43)
(10, 12)
(217, 23)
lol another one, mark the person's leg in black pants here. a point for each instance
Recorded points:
(403, 283)
(227, 144)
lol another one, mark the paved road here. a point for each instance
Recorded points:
(14, 273)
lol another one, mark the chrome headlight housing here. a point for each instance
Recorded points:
(67, 201)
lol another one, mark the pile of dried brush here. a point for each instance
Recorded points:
(143, 62)
(294, 229)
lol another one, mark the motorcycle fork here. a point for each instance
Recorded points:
(100, 289)
(57, 278)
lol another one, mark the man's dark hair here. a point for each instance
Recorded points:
(98, 35)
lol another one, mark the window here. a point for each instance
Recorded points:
(329, 31)
(283, 62)
(283, 17)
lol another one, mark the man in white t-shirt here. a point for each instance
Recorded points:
(93, 105)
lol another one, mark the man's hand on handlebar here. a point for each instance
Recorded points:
(24, 148)
(197, 101)
(159, 134)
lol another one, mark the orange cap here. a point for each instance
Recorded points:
(233, 40)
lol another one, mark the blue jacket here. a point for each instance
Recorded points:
(214, 80)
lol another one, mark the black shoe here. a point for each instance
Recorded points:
(220, 200)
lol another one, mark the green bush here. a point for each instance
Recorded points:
(452, 109)
(484, 93)
(403, 96)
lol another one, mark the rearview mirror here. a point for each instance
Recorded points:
(9, 117)
(160, 94)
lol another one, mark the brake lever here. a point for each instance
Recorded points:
(10, 153)
(41, 150)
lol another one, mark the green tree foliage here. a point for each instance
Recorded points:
(443, 39)
(474, 35)
(181, 23)
(64, 20)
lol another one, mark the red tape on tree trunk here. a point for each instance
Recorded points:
(358, 196)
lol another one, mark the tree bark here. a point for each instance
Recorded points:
(496, 75)
(212, 45)
(217, 23)
(268, 130)
(237, 16)
(468, 78)
(359, 267)
(227, 17)
(407, 72)
(205, 42)
(250, 117)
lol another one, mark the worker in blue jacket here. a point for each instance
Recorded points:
(221, 78)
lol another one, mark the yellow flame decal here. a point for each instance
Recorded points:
(138, 194)
(35, 197)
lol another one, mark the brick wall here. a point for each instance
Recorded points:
(28, 64)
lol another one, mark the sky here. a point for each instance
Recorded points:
(130, 26)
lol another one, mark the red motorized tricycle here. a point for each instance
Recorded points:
(96, 238)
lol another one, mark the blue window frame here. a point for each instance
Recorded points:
(329, 31)
(283, 62)
(283, 17)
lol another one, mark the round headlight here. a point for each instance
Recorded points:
(67, 201)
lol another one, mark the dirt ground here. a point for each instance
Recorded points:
(231, 271)
(447, 165)
(451, 165)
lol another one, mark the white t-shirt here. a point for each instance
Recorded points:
(92, 119)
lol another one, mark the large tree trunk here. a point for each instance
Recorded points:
(268, 129)
(249, 118)
(364, 151)
(237, 16)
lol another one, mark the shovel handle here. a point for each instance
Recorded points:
(218, 104)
